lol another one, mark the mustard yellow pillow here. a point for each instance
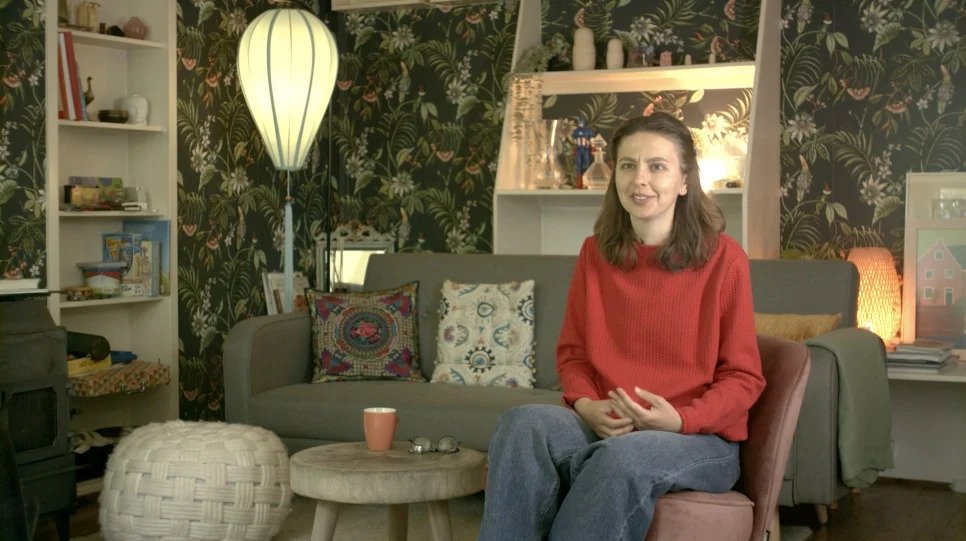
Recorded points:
(795, 327)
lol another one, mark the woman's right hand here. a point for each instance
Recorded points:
(599, 416)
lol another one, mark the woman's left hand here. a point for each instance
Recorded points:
(661, 416)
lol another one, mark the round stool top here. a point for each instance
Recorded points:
(351, 473)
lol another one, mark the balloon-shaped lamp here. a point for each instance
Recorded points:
(287, 63)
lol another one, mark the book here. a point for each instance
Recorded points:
(63, 67)
(74, 78)
(274, 286)
(157, 231)
(924, 345)
(61, 90)
(19, 284)
(129, 248)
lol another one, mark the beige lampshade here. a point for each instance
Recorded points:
(287, 63)
(880, 304)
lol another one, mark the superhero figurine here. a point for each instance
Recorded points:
(582, 135)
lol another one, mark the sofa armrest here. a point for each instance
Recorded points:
(264, 353)
(812, 474)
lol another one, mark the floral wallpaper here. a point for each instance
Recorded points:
(871, 89)
(23, 151)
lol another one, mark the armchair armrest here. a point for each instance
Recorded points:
(263, 353)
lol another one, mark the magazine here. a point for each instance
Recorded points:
(274, 286)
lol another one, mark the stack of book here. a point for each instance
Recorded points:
(922, 354)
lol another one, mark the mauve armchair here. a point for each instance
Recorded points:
(750, 510)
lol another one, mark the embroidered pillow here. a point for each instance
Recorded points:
(365, 335)
(486, 335)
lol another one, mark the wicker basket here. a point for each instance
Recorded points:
(196, 480)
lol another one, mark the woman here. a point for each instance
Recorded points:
(657, 356)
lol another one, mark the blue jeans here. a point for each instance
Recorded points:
(551, 476)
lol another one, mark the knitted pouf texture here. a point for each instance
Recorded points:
(195, 480)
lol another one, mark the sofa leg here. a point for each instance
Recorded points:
(774, 529)
(822, 512)
(833, 506)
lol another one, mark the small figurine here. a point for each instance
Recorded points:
(581, 135)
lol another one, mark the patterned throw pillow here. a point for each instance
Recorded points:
(365, 335)
(486, 335)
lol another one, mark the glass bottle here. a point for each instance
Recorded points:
(598, 174)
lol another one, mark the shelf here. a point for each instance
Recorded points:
(955, 372)
(654, 79)
(109, 214)
(590, 194)
(109, 302)
(82, 37)
(134, 377)
(109, 126)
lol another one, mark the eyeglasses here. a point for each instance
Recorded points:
(445, 445)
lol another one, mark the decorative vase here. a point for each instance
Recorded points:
(137, 109)
(548, 172)
(615, 54)
(135, 28)
(584, 55)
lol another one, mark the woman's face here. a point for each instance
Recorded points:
(648, 182)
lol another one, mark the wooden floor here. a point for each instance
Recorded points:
(891, 510)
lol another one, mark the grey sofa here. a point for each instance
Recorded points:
(267, 362)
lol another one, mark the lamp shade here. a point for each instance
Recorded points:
(287, 63)
(880, 305)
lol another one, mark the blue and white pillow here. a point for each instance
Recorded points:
(486, 335)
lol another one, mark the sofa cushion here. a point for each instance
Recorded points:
(365, 335)
(486, 334)
(795, 327)
(334, 412)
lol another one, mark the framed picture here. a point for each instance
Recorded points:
(273, 284)
(934, 266)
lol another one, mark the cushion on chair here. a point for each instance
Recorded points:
(701, 515)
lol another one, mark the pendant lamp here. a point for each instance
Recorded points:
(287, 63)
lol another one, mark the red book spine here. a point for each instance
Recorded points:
(74, 78)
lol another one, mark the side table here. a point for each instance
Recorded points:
(350, 473)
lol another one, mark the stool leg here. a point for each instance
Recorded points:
(326, 513)
(398, 522)
(439, 525)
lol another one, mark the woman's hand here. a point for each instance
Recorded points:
(661, 416)
(598, 416)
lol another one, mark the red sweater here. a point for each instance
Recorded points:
(688, 336)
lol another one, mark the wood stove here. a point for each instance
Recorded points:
(34, 406)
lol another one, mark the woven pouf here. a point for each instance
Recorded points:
(188, 480)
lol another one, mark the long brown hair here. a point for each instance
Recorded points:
(697, 219)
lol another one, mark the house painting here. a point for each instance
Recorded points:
(940, 300)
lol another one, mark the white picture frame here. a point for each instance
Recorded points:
(934, 261)
(273, 285)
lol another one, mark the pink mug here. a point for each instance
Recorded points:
(379, 426)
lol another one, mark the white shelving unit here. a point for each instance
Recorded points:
(384, 5)
(142, 155)
(557, 221)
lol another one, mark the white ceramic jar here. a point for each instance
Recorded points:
(615, 54)
(584, 52)
(137, 109)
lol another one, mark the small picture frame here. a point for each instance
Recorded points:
(934, 264)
